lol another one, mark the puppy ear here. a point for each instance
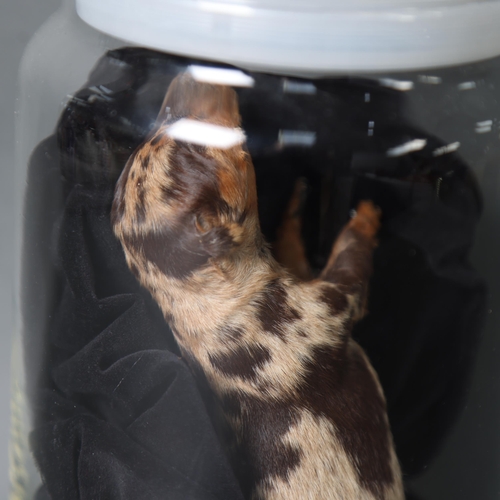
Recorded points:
(217, 242)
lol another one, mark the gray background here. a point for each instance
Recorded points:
(468, 469)
(19, 19)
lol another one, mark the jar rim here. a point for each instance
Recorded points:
(314, 38)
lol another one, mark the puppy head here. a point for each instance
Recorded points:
(183, 200)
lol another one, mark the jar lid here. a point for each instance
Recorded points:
(313, 37)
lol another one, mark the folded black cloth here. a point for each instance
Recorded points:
(426, 311)
(121, 416)
(118, 415)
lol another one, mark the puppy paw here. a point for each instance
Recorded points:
(366, 219)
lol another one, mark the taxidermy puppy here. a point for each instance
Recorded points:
(300, 396)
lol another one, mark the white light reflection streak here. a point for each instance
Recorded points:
(294, 87)
(296, 138)
(407, 147)
(220, 76)
(484, 127)
(371, 124)
(402, 85)
(449, 148)
(431, 80)
(466, 86)
(205, 134)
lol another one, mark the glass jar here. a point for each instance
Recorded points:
(395, 102)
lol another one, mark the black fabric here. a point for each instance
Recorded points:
(123, 418)
(427, 306)
(117, 413)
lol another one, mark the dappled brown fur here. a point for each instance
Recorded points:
(300, 395)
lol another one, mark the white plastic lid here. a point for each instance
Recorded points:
(315, 37)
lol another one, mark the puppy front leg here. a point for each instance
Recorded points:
(289, 248)
(350, 264)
